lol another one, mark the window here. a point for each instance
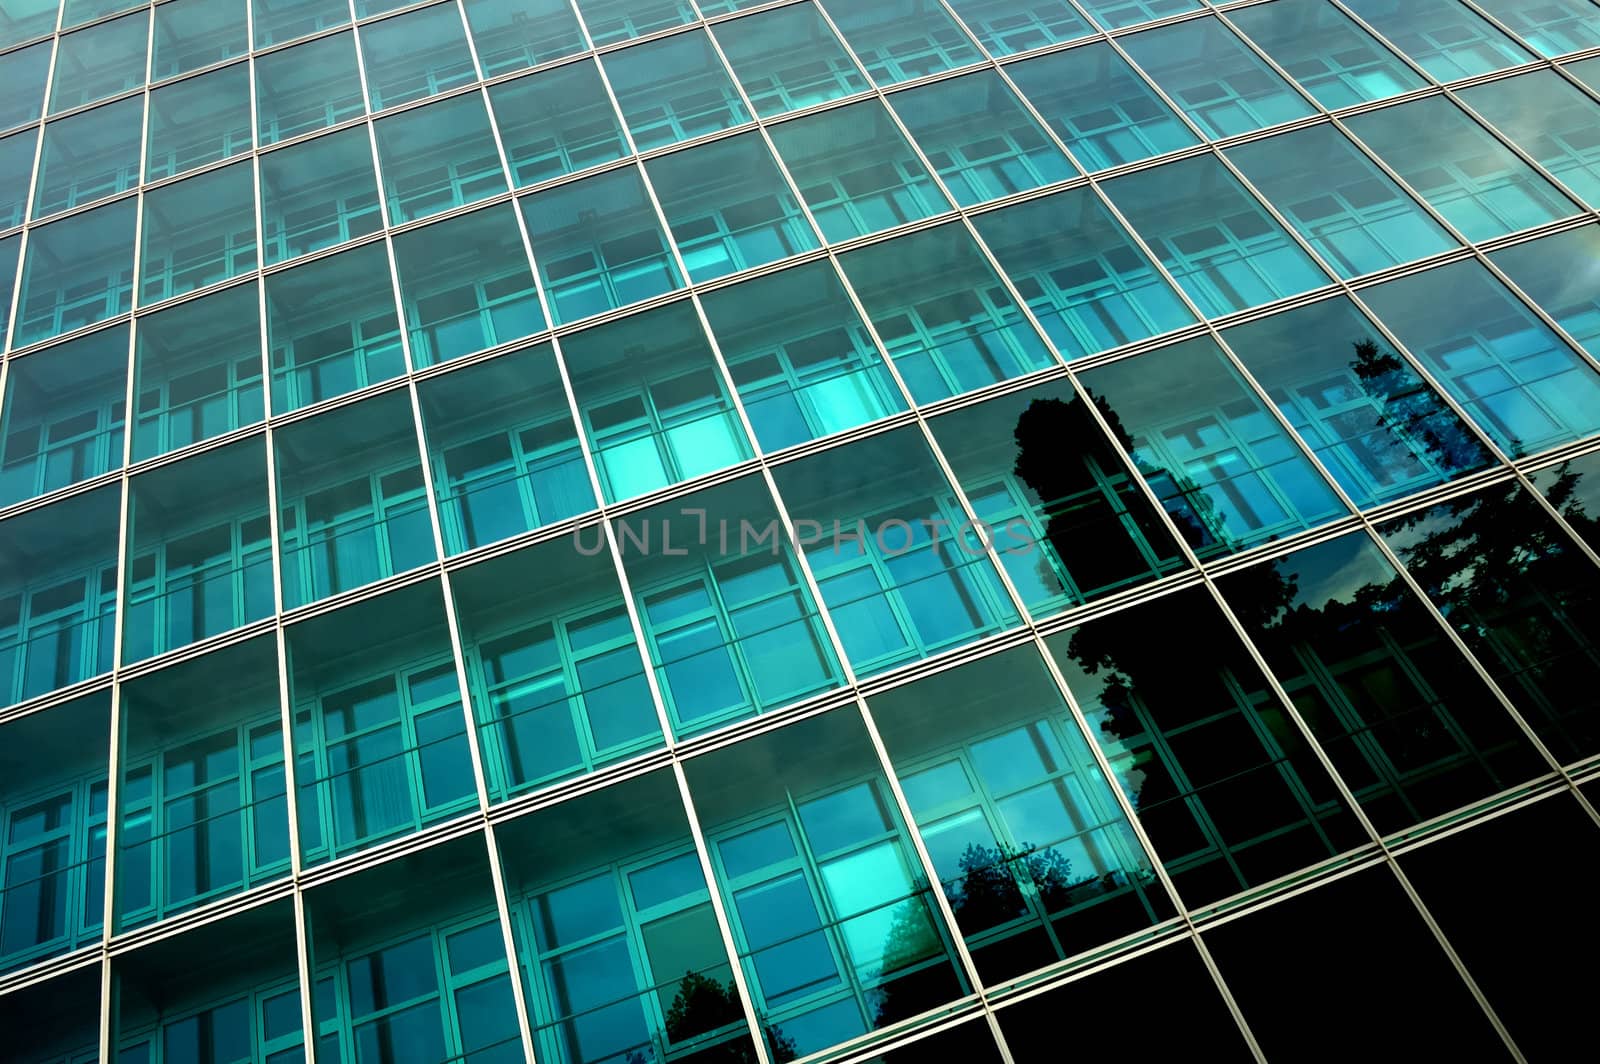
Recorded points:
(788, 58)
(199, 584)
(1323, 49)
(354, 532)
(673, 89)
(1446, 38)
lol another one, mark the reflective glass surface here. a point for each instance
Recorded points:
(1550, 119)
(1444, 37)
(1332, 58)
(788, 58)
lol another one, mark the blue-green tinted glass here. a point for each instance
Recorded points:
(609, 21)
(197, 371)
(16, 168)
(1220, 244)
(652, 402)
(897, 42)
(197, 232)
(307, 87)
(1081, 275)
(505, 453)
(1332, 58)
(1213, 76)
(1373, 421)
(1479, 185)
(318, 193)
(1068, 519)
(191, 34)
(788, 58)
(277, 21)
(512, 34)
(942, 314)
(23, 72)
(728, 207)
(63, 415)
(331, 327)
(87, 157)
(466, 285)
(100, 61)
(1549, 27)
(1115, 13)
(1525, 387)
(1340, 201)
(10, 248)
(1586, 71)
(1223, 467)
(415, 55)
(598, 245)
(79, 12)
(78, 271)
(855, 171)
(673, 90)
(1552, 120)
(1444, 37)
(1103, 111)
(26, 20)
(980, 139)
(1561, 273)
(555, 122)
(800, 357)
(1005, 27)
(198, 121)
(438, 157)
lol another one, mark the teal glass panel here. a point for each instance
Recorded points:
(1113, 14)
(942, 313)
(1339, 200)
(86, 157)
(855, 170)
(1104, 112)
(16, 168)
(64, 414)
(101, 61)
(898, 41)
(1552, 120)
(1215, 78)
(1549, 27)
(78, 271)
(1323, 49)
(1375, 424)
(1033, 852)
(1586, 71)
(438, 157)
(788, 58)
(1525, 387)
(673, 89)
(835, 926)
(558, 681)
(1005, 27)
(512, 34)
(198, 232)
(1221, 465)
(729, 207)
(1218, 242)
(277, 21)
(980, 139)
(1081, 275)
(24, 73)
(1518, 592)
(598, 245)
(197, 371)
(365, 517)
(191, 34)
(1561, 273)
(331, 327)
(415, 55)
(1444, 37)
(380, 737)
(58, 1019)
(318, 193)
(58, 609)
(1479, 185)
(1573, 488)
(555, 122)
(652, 402)
(802, 360)
(1066, 516)
(200, 550)
(1228, 791)
(729, 625)
(504, 448)
(609, 21)
(198, 121)
(24, 20)
(53, 893)
(618, 941)
(900, 567)
(79, 12)
(307, 87)
(466, 285)
(10, 248)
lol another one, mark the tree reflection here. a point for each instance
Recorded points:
(705, 1004)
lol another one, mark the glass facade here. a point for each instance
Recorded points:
(655, 531)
